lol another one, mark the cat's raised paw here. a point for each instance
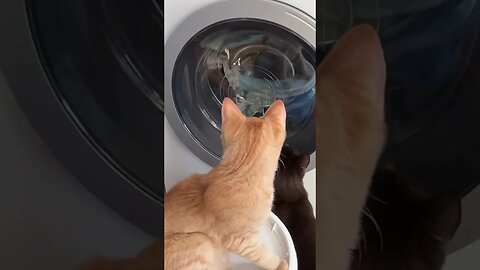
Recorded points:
(282, 266)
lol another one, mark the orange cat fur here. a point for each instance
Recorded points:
(209, 214)
(350, 137)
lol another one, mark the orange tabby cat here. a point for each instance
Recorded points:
(222, 211)
(350, 137)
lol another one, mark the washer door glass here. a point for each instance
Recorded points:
(105, 62)
(253, 62)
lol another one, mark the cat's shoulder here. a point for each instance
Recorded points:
(190, 182)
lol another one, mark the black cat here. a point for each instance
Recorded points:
(292, 206)
(403, 231)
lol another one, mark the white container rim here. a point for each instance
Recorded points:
(281, 232)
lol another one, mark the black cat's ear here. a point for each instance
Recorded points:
(286, 149)
(442, 218)
(303, 161)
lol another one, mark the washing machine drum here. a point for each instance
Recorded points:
(253, 62)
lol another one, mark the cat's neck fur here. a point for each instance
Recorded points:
(238, 162)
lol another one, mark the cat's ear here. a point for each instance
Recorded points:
(230, 111)
(442, 218)
(303, 161)
(277, 112)
(356, 61)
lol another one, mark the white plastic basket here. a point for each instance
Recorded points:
(275, 236)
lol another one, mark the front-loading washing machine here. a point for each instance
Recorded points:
(253, 51)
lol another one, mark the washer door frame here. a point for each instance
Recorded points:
(25, 75)
(279, 13)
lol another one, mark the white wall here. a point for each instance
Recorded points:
(309, 182)
(467, 258)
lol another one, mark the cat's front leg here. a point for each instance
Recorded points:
(283, 266)
(253, 250)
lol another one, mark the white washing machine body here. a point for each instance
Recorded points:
(183, 20)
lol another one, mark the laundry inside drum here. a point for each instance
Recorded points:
(258, 71)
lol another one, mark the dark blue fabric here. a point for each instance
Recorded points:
(425, 52)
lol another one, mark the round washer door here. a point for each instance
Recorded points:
(89, 75)
(238, 50)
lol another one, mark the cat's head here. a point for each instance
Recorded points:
(414, 231)
(289, 176)
(253, 135)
